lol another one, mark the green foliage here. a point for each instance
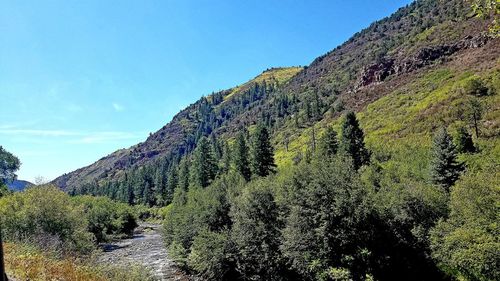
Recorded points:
(204, 167)
(328, 143)
(475, 87)
(406, 210)
(475, 112)
(353, 141)
(9, 164)
(487, 9)
(327, 226)
(178, 253)
(445, 168)
(47, 217)
(199, 209)
(227, 158)
(212, 255)
(256, 232)
(52, 220)
(466, 244)
(4, 190)
(262, 152)
(463, 142)
(107, 219)
(184, 174)
(241, 157)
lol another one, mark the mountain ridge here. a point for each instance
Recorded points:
(389, 54)
(124, 157)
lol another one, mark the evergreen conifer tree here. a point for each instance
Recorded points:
(204, 166)
(241, 158)
(184, 174)
(172, 183)
(464, 141)
(445, 169)
(226, 158)
(216, 146)
(263, 154)
(328, 144)
(352, 141)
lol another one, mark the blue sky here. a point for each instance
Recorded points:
(80, 79)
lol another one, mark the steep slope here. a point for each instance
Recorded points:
(179, 136)
(394, 55)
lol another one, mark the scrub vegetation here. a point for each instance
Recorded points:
(378, 161)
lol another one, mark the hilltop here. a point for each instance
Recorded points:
(421, 47)
(19, 185)
(178, 136)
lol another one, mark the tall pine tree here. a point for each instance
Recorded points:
(172, 183)
(205, 165)
(184, 174)
(241, 158)
(353, 141)
(328, 143)
(445, 168)
(225, 164)
(263, 154)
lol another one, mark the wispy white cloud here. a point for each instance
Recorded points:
(33, 132)
(118, 107)
(75, 137)
(105, 137)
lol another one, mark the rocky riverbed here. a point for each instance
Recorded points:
(145, 248)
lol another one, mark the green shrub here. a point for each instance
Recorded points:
(476, 87)
(45, 216)
(467, 244)
(256, 232)
(327, 225)
(106, 218)
(211, 255)
(178, 253)
(198, 209)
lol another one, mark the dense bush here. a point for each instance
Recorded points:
(476, 87)
(328, 226)
(47, 217)
(106, 218)
(256, 232)
(212, 255)
(199, 209)
(467, 243)
(323, 220)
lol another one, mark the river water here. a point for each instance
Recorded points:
(146, 248)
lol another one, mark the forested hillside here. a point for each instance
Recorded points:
(388, 55)
(379, 161)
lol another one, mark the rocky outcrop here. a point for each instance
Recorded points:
(379, 71)
(376, 73)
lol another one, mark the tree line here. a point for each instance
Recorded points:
(326, 220)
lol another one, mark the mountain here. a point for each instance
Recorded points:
(180, 134)
(386, 149)
(19, 185)
(399, 75)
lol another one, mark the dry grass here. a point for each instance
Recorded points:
(26, 263)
